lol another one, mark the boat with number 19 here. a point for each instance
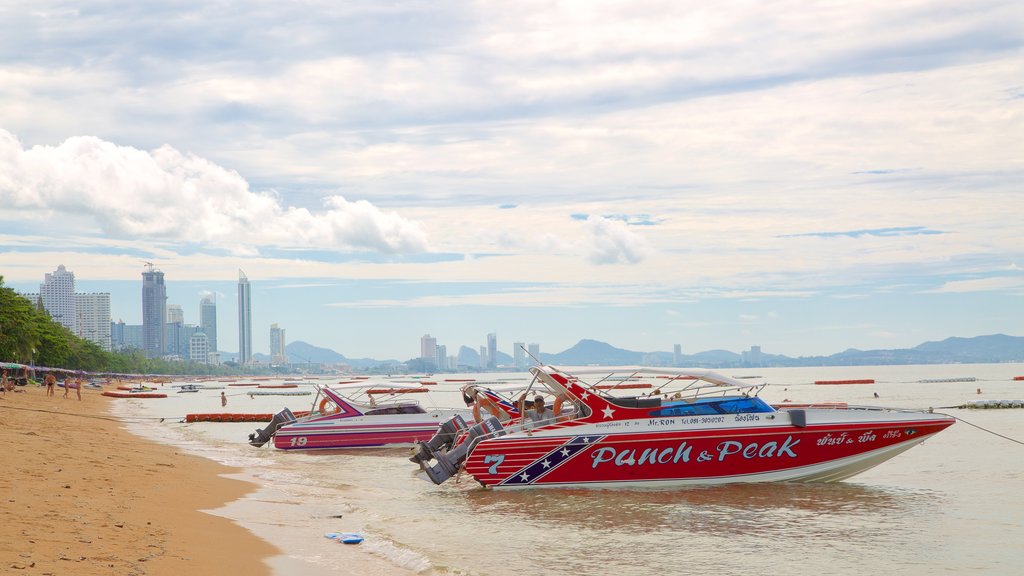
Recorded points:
(710, 430)
(362, 414)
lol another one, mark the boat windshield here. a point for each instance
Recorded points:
(403, 408)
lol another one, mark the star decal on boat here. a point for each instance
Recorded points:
(539, 468)
(608, 412)
(585, 395)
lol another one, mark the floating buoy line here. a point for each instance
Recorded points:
(989, 404)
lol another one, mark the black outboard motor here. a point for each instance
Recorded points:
(444, 438)
(261, 437)
(448, 463)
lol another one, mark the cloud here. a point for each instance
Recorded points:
(169, 195)
(882, 232)
(612, 242)
(995, 284)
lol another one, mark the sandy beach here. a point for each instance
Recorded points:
(81, 495)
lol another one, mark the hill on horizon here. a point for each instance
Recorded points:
(993, 348)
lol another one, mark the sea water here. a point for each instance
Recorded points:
(952, 505)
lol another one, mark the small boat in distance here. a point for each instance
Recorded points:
(711, 429)
(355, 416)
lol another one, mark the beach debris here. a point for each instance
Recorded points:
(344, 537)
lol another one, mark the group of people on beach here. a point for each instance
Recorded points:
(7, 384)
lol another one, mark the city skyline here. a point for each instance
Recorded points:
(804, 178)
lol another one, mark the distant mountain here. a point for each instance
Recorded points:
(471, 358)
(994, 348)
(299, 351)
(587, 352)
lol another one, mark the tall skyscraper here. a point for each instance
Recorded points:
(244, 320)
(534, 350)
(442, 357)
(208, 321)
(93, 311)
(428, 347)
(677, 353)
(58, 294)
(154, 312)
(277, 354)
(492, 350)
(519, 354)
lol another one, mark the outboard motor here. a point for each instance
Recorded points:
(448, 463)
(444, 438)
(261, 437)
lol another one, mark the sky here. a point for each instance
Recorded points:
(802, 176)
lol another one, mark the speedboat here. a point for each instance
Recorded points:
(687, 427)
(356, 415)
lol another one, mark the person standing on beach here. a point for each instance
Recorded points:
(67, 386)
(223, 399)
(3, 383)
(51, 381)
(78, 388)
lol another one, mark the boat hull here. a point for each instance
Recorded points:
(324, 433)
(826, 446)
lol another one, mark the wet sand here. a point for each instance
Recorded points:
(81, 495)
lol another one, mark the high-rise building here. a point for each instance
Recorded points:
(492, 350)
(133, 336)
(93, 311)
(208, 321)
(483, 357)
(198, 348)
(677, 354)
(175, 314)
(154, 312)
(58, 294)
(519, 354)
(441, 360)
(277, 353)
(244, 319)
(117, 335)
(175, 340)
(428, 347)
(534, 350)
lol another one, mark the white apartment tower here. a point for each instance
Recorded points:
(93, 311)
(198, 348)
(428, 347)
(58, 294)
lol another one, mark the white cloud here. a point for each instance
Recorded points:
(612, 242)
(173, 196)
(996, 284)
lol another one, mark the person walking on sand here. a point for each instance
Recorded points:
(51, 381)
(78, 389)
(67, 386)
(223, 399)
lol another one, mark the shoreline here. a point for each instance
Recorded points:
(84, 495)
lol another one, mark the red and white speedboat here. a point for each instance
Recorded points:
(711, 430)
(363, 414)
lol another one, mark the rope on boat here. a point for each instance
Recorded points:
(958, 419)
